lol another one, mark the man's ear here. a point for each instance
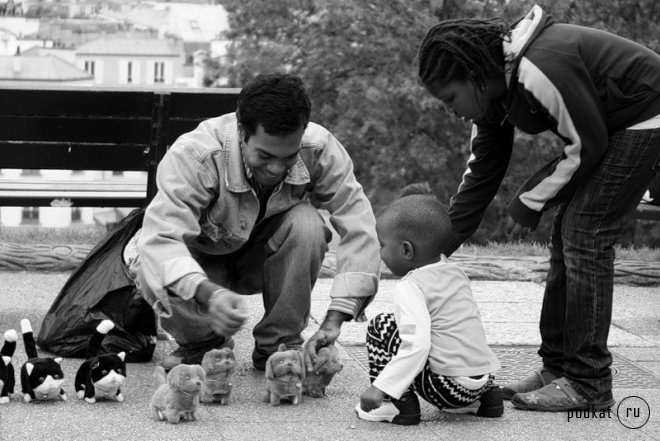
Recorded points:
(408, 250)
(241, 132)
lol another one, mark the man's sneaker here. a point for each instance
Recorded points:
(404, 411)
(490, 405)
(188, 355)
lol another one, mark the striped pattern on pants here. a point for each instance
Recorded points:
(383, 343)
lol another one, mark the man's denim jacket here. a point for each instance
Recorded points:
(205, 203)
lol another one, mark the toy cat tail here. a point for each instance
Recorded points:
(101, 376)
(28, 339)
(10, 343)
(41, 377)
(97, 337)
(7, 380)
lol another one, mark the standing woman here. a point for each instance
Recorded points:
(600, 94)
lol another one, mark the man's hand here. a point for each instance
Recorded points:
(371, 398)
(326, 335)
(514, 230)
(226, 312)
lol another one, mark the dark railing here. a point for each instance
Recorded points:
(117, 129)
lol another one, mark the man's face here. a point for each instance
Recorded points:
(269, 157)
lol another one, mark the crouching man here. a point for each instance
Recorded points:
(236, 214)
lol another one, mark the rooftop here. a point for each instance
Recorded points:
(41, 68)
(130, 46)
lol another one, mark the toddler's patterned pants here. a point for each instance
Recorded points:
(383, 343)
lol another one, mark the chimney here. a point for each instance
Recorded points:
(199, 66)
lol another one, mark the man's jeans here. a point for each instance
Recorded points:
(282, 259)
(577, 305)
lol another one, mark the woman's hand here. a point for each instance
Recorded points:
(516, 231)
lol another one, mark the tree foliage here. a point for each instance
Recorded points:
(358, 57)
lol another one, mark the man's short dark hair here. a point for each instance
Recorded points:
(278, 102)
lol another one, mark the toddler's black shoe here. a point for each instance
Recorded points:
(490, 405)
(404, 411)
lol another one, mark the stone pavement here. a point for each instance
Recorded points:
(510, 311)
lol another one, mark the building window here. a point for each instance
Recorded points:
(129, 72)
(117, 173)
(89, 67)
(159, 72)
(30, 216)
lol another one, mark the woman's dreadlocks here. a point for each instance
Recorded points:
(463, 49)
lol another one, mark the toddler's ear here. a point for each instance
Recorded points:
(408, 249)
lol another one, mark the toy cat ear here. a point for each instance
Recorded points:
(28, 368)
(122, 355)
(282, 347)
(58, 360)
(6, 360)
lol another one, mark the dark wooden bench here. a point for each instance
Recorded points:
(82, 128)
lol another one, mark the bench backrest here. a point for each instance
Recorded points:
(81, 128)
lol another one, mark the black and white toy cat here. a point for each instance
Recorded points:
(101, 376)
(41, 377)
(7, 380)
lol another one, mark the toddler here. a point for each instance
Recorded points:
(434, 343)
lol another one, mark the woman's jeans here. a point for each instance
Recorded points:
(282, 260)
(577, 305)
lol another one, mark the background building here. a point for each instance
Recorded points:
(121, 61)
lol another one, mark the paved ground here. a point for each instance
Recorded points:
(510, 311)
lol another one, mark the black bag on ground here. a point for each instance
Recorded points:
(101, 289)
